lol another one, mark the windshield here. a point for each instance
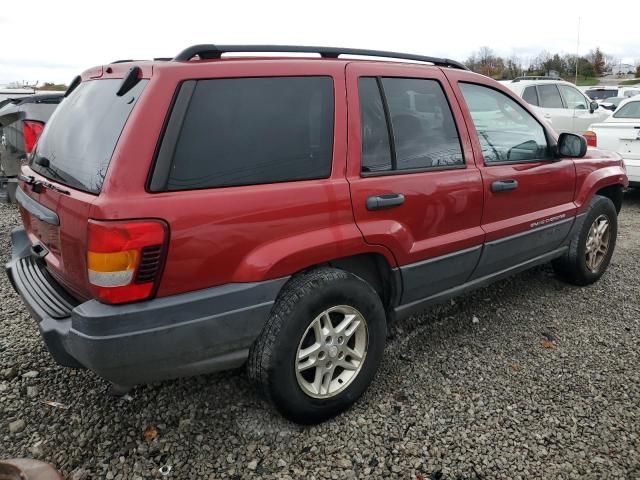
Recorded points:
(77, 143)
(601, 94)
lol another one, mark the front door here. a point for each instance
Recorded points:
(414, 185)
(554, 109)
(528, 194)
(583, 117)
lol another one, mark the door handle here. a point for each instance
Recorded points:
(504, 185)
(388, 200)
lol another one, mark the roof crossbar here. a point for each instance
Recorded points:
(210, 51)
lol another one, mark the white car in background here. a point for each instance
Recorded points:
(621, 133)
(563, 105)
(602, 94)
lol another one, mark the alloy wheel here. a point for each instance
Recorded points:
(597, 243)
(332, 352)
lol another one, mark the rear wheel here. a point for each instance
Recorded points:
(321, 347)
(592, 246)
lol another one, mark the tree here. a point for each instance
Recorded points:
(486, 62)
(638, 71)
(513, 68)
(596, 58)
(53, 86)
(610, 61)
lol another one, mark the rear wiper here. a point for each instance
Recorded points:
(37, 185)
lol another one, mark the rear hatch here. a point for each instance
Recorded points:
(68, 166)
(623, 138)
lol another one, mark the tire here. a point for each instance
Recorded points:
(294, 325)
(574, 266)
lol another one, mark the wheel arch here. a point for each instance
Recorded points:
(371, 267)
(608, 182)
(613, 193)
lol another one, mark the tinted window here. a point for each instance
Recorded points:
(630, 110)
(247, 131)
(573, 98)
(424, 131)
(76, 145)
(601, 94)
(376, 150)
(530, 95)
(549, 96)
(506, 131)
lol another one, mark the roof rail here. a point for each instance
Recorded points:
(209, 51)
(537, 77)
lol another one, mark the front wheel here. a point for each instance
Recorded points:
(321, 346)
(591, 248)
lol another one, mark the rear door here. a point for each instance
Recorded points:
(528, 195)
(414, 185)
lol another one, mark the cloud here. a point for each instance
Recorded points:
(62, 41)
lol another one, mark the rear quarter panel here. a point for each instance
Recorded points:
(234, 234)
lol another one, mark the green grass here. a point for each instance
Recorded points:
(633, 81)
(587, 81)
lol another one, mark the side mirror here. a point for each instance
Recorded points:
(570, 145)
(593, 106)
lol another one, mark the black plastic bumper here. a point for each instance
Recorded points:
(187, 334)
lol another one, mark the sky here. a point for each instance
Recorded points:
(46, 43)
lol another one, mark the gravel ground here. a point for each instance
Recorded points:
(529, 378)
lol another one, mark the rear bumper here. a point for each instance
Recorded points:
(192, 333)
(633, 172)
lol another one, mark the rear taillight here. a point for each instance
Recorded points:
(124, 259)
(31, 131)
(591, 137)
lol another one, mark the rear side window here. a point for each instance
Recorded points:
(376, 149)
(76, 145)
(530, 95)
(246, 131)
(424, 133)
(549, 96)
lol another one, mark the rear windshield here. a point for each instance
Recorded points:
(76, 146)
(630, 110)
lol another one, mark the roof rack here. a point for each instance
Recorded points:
(534, 77)
(209, 51)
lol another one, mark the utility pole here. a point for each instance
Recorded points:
(577, 52)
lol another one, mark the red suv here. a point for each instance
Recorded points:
(192, 215)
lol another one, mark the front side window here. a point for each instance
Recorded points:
(549, 96)
(417, 113)
(630, 110)
(246, 131)
(573, 98)
(506, 131)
